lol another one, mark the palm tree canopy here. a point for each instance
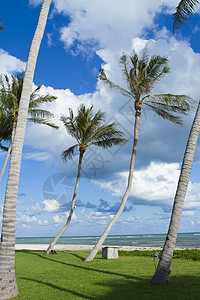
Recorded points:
(184, 9)
(5, 130)
(10, 94)
(88, 129)
(141, 73)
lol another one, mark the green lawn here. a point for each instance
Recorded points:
(65, 276)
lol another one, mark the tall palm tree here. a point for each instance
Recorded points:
(88, 130)
(141, 73)
(184, 9)
(163, 269)
(8, 286)
(10, 94)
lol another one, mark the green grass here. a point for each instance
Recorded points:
(65, 276)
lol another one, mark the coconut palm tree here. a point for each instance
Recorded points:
(163, 269)
(8, 286)
(141, 73)
(88, 130)
(10, 94)
(184, 9)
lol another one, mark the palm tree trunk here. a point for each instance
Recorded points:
(8, 286)
(163, 269)
(100, 242)
(9, 150)
(51, 246)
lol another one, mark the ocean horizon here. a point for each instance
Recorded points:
(184, 240)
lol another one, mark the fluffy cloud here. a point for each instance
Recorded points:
(42, 223)
(10, 64)
(155, 185)
(26, 219)
(99, 218)
(109, 24)
(51, 205)
(57, 220)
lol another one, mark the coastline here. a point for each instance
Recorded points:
(59, 247)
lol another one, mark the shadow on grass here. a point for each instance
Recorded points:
(58, 288)
(179, 287)
(77, 266)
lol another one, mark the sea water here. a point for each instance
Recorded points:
(184, 240)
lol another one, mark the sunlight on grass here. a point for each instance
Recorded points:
(66, 276)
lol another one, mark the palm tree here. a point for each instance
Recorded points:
(10, 94)
(141, 74)
(163, 269)
(88, 130)
(1, 27)
(5, 130)
(8, 285)
(184, 9)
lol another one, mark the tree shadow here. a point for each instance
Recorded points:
(57, 288)
(179, 287)
(79, 266)
(78, 256)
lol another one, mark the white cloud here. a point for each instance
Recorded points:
(74, 219)
(110, 24)
(50, 205)
(57, 220)
(26, 219)
(155, 185)
(37, 156)
(130, 219)
(187, 213)
(99, 218)
(10, 64)
(42, 223)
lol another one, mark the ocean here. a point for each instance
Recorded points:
(184, 240)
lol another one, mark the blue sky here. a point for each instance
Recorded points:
(80, 37)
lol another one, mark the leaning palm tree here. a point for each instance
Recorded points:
(184, 9)
(8, 285)
(141, 74)
(163, 269)
(88, 130)
(10, 94)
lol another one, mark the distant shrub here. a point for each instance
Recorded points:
(192, 254)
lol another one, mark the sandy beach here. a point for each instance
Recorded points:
(81, 247)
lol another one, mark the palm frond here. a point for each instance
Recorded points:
(94, 124)
(111, 85)
(40, 113)
(42, 121)
(71, 125)
(176, 103)
(184, 9)
(125, 66)
(110, 142)
(35, 102)
(69, 153)
(165, 114)
(3, 148)
(107, 135)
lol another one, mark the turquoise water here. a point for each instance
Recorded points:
(184, 240)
